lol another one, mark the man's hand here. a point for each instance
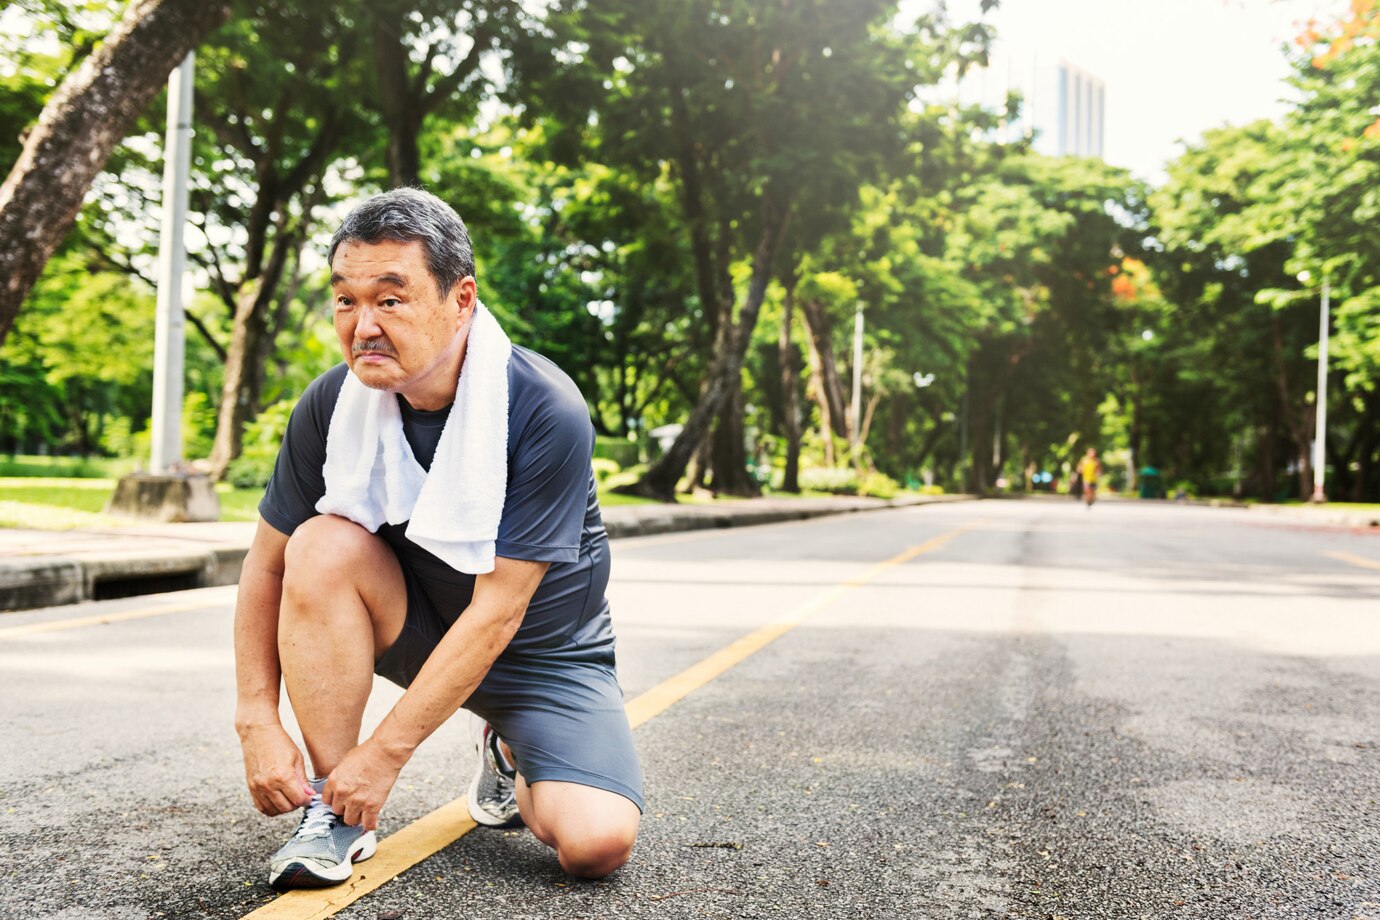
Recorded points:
(274, 770)
(360, 783)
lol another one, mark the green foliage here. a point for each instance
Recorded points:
(620, 451)
(604, 469)
(837, 480)
(878, 485)
(618, 190)
(624, 477)
(262, 438)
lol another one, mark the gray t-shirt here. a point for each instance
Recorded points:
(550, 511)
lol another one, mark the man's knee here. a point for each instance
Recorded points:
(596, 852)
(326, 552)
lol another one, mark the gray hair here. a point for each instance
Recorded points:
(410, 215)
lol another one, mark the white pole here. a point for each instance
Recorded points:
(1320, 435)
(857, 373)
(170, 324)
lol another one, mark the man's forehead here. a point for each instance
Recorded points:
(386, 262)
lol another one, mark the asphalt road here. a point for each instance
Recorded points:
(1156, 712)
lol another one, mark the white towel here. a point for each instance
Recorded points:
(372, 476)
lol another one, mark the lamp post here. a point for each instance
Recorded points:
(1320, 432)
(857, 373)
(169, 324)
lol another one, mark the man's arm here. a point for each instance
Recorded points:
(359, 785)
(273, 765)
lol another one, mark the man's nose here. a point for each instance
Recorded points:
(367, 326)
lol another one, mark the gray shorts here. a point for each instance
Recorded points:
(561, 712)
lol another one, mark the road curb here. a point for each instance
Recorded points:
(58, 579)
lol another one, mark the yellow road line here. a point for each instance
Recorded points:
(670, 691)
(9, 632)
(1355, 560)
(434, 832)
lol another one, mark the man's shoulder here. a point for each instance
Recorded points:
(542, 399)
(321, 394)
(318, 400)
(535, 380)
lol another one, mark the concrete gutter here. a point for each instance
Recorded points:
(50, 569)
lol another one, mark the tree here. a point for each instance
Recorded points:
(81, 124)
(276, 102)
(763, 114)
(421, 70)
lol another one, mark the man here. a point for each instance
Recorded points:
(1089, 469)
(325, 603)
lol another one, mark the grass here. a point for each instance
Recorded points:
(65, 467)
(68, 503)
(53, 503)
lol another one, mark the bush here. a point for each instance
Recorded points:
(878, 485)
(931, 490)
(262, 437)
(620, 450)
(838, 480)
(249, 472)
(604, 468)
(625, 477)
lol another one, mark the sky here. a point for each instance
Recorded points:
(1173, 68)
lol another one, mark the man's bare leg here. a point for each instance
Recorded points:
(344, 604)
(591, 830)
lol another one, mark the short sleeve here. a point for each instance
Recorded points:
(548, 485)
(298, 482)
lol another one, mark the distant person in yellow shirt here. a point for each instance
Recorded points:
(1089, 468)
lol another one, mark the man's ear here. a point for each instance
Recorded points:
(463, 298)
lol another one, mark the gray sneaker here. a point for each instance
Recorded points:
(493, 791)
(322, 851)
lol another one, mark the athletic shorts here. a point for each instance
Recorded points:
(561, 714)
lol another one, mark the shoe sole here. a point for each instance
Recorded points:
(298, 874)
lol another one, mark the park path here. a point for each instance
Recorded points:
(997, 709)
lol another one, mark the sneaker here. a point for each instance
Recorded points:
(493, 791)
(323, 850)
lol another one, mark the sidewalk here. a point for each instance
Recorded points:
(1321, 515)
(40, 568)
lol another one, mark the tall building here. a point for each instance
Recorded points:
(1062, 106)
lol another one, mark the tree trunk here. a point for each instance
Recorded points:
(816, 391)
(730, 348)
(872, 403)
(699, 464)
(402, 115)
(1297, 432)
(239, 400)
(730, 449)
(81, 124)
(931, 439)
(822, 344)
(790, 392)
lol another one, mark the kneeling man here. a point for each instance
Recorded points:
(432, 518)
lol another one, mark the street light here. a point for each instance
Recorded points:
(857, 373)
(1320, 433)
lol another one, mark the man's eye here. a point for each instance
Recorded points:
(343, 302)
(390, 302)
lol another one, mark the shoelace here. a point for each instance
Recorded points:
(507, 782)
(318, 821)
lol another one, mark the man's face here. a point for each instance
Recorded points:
(395, 328)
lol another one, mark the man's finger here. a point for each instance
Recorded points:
(280, 803)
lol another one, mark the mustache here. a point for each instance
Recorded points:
(378, 345)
